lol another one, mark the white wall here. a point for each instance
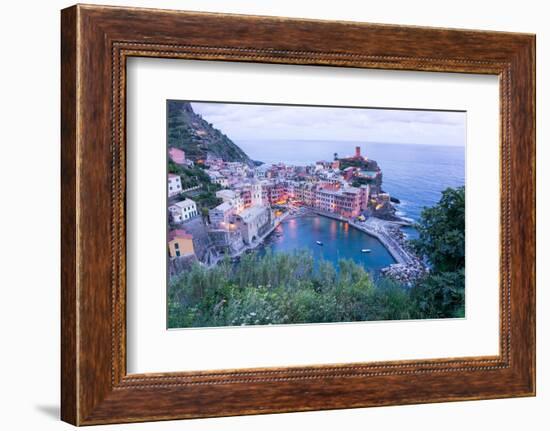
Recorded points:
(29, 86)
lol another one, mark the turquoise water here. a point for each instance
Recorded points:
(340, 241)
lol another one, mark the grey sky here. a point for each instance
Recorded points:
(255, 122)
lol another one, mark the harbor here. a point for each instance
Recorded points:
(378, 245)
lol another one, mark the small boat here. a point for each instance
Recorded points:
(319, 242)
(366, 250)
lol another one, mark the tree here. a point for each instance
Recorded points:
(439, 295)
(441, 240)
(441, 232)
(205, 214)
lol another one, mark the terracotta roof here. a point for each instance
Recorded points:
(179, 233)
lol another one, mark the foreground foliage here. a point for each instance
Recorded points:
(441, 231)
(285, 288)
(441, 240)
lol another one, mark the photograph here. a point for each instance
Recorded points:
(295, 214)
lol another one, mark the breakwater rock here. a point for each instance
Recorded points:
(406, 274)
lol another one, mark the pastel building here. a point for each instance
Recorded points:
(254, 222)
(348, 202)
(177, 155)
(251, 193)
(232, 197)
(365, 196)
(222, 215)
(180, 243)
(331, 197)
(174, 185)
(183, 210)
(262, 171)
(278, 193)
(345, 202)
(255, 193)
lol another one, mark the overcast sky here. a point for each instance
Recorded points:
(255, 122)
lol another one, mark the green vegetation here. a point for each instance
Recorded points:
(441, 231)
(190, 176)
(441, 240)
(197, 137)
(279, 288)
(440, 295)
(355, 163)
(205, 197)
(358, 181)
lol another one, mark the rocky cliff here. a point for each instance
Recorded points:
(188, 131)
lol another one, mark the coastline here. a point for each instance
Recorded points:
(257, 243)
(407, 266)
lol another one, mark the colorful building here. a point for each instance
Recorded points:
(345, 201)
(232, 197)
(177, 155)
(254, 222)
(222, 215)
(180, 243)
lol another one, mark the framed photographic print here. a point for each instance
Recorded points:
(259, 216)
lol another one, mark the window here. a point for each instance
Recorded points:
(178, 254)
(176, 245)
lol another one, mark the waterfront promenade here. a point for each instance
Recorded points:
(378, 228)
(253, 245)
(382, 230)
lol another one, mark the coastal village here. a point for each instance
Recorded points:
(252, 199)
(298, 227)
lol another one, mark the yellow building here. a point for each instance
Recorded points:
(180, 243)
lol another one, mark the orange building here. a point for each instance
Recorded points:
(180, 243)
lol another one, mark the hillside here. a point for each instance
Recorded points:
(197, 137)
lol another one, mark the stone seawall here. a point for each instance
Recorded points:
(376, 230)
(397, 252)
(408, 267)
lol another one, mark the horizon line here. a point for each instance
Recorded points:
(352, 142)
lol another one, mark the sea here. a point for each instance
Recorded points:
(416, 174)
(330, 240)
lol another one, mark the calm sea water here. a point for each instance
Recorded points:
(339, 241)
(415, 174)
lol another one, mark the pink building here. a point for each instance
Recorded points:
(177, 155)
(344, 201)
